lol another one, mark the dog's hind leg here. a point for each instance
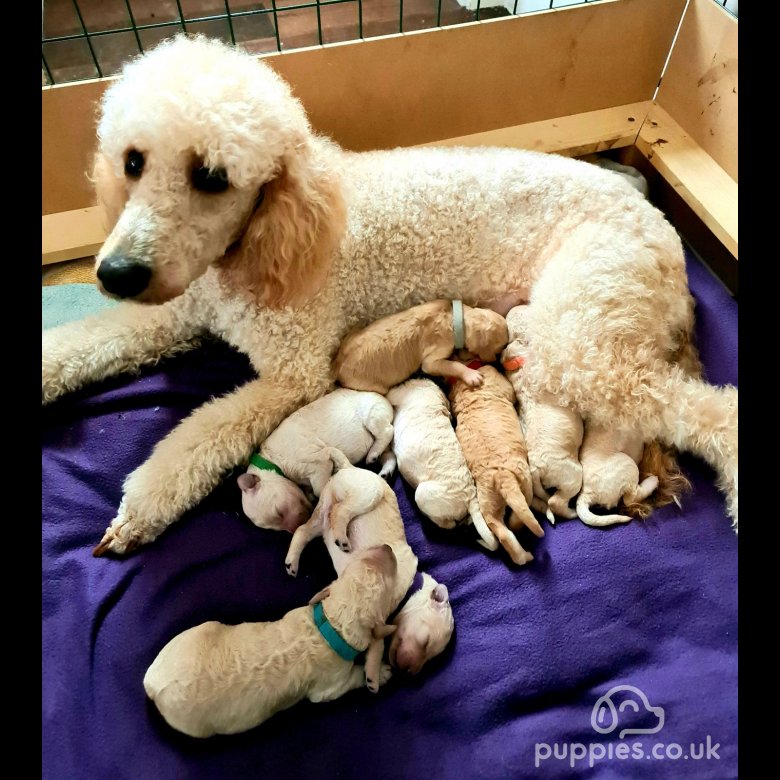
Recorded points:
(492, 506)
(188, 463)
(311, 529)
(119, 339)
(378, 421)
(507, 484)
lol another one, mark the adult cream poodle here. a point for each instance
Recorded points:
(230, 215)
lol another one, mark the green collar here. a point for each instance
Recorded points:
(265, 465)
(332, 637)
(458, 326)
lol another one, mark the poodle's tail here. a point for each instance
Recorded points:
(487, 537)
(689, 414)
(592, 519)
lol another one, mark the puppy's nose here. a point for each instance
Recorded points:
(123, 276)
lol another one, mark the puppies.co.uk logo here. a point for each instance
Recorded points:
(625, 710)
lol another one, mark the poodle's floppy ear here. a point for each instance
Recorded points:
(286, 249)
(318, 597)
(111, 190)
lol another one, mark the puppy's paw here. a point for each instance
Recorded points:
(292, 568)
(385, 673)
(472, 378)
(344, 545)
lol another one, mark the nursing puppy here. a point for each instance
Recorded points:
(393, 348)
(358, 510)
(430, 458)
(610, 473)
(359, 424)
(553, 433)
(219, 679)
(489, 433)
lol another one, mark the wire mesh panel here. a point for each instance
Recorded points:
(84, 39)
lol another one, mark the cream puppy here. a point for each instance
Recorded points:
(430, 458)
(610, 473)
(219, 679)
(358, 510)
(553, 433)
(359, 424)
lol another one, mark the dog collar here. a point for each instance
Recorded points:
(416, 585)
(337, 643)
(471, 364)
(265, 465)
(514, 363)
(458, 326)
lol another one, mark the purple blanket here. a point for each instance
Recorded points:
(651, 605)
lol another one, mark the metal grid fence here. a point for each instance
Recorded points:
(86, 39)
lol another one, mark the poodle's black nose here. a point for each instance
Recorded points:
(123, 276)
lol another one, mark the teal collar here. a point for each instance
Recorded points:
(265, 465)
(458, 326)
(332, 637)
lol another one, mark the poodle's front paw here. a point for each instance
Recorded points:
(385, 673)
(387, 470)
(292, 567)
(472, 378)
(125, 534)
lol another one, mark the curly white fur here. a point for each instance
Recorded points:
(358, 510)
(310, 242)
(359, 424)
(220, 679)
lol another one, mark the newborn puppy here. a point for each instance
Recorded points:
(219, 679)
(359, 424)
(357, 510)
(553, 433)
(430, 458)
(610, 473)
(391, 349)
(489, 433)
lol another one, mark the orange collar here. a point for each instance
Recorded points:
(514, 363)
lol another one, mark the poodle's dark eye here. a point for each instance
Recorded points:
(210, 179)
(134, 164)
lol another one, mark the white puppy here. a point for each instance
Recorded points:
(219, 679)
(430, 458)
(358, 510)
(610, 473)
(553, 433)
(359, 424)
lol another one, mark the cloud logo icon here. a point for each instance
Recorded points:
(606, 716)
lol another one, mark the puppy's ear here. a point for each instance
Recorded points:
(383, 630)
(318, 597)
(440, 594)
(286, 249)
(248, 482)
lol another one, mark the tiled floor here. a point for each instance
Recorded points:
(298, 27)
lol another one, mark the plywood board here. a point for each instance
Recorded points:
(700, 88)
(573, 136)
(415, 88)
(696, 176)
